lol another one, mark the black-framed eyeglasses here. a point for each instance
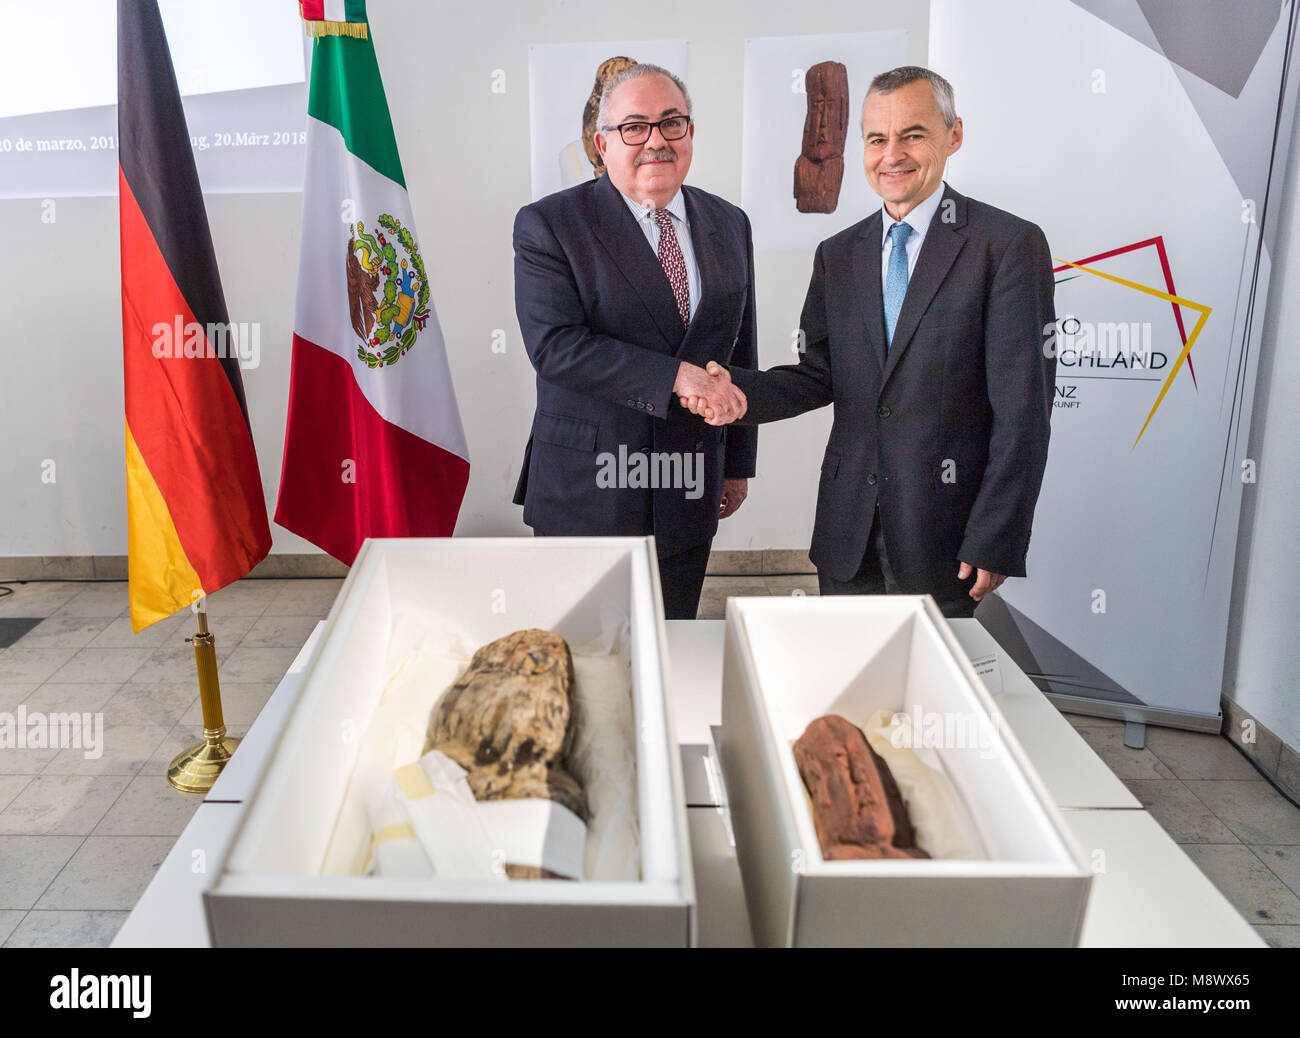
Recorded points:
(673, 128)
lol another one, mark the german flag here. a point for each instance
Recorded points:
(196, 515)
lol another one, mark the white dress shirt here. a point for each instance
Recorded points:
(682, 228)
(919, 220)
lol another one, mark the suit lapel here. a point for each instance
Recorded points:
(709, 258)
(870, 299)
(938, 251)
(619, 235)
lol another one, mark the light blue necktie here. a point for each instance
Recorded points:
(896, 278)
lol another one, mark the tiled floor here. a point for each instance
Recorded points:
(81, 838)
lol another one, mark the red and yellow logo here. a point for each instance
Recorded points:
(1176, 302)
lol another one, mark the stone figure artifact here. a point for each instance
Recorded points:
(508, 722)
(819, 169)
(858, 811)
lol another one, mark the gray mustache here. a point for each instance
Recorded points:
(658, 155)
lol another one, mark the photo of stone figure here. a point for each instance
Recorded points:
(609, 68)
(820, 166)
(573, 170)
(566, 82)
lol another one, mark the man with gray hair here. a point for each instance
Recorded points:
(924, 327)
(625, 287)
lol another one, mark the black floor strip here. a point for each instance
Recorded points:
(14, 627)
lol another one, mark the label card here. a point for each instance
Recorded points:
(989, 671)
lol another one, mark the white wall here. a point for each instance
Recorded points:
(1262, 668)
(465, 153)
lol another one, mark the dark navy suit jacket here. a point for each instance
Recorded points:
(947, 431)
(603, 332)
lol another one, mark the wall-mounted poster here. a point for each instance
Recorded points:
(565, 81)
(801, 178)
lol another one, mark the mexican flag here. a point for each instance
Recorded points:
(374, 445)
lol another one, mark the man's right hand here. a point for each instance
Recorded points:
(710, 393)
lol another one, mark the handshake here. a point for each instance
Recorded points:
(709, 393)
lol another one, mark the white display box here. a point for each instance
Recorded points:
(268, 890)
(791, 660)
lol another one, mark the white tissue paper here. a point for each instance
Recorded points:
(531, 831)
(395, 849)
(437, 799)
(943, 828)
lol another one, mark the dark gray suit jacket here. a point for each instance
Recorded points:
(602, 329)
(947, 431)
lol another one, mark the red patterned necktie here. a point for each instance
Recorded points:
(670, 256)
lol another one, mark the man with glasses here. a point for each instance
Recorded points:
(625, 288)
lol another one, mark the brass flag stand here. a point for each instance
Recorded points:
(195, 770)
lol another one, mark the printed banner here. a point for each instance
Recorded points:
(1139, 137)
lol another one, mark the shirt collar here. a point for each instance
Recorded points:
(918, 219)
(677, 207)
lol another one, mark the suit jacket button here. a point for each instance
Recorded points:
(883, 412)
(871, 480)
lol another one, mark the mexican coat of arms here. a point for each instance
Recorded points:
(388, 299)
